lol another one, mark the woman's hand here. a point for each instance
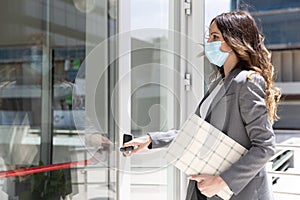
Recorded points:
(139, 144)
(209, 185)
(97, 140)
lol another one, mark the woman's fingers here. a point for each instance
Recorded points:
(197, 178)
(131, 143)
(209, 185)
(127, 153)
(138, 144)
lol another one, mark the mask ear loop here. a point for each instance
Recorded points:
(201, 52)
(225, 51)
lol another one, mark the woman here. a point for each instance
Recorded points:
(241, 102)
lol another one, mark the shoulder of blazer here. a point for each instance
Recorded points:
(250, 76)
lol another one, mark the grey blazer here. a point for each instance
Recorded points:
(239, 110)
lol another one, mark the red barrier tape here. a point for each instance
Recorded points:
(45, 168)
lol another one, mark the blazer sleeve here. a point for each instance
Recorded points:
(253, 111)
(162, 139)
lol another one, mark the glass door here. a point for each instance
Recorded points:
(155, 100)
(159, 60)
(22, 47)
(75, 76)
(55, 134)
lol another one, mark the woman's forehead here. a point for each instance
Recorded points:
(213, 28)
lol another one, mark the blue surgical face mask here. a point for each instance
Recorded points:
(214, 53)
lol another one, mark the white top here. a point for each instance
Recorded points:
(206, 103)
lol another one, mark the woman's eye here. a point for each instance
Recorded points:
(215, 37)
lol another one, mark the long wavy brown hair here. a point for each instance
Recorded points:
(241, 33)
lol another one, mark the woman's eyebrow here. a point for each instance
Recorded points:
(214, 33)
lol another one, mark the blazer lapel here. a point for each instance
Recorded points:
(223, 89)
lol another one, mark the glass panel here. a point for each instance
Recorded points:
(80, 115)
(153, 95)
(68, 47)
(149, 40)
(53, 70)
(21, 45)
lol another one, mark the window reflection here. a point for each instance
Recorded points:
(21, 72)
(42, 47)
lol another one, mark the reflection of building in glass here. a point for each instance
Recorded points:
(21, 88)
(42, 46)
(148, 92)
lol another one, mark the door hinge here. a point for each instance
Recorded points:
(187, 7)
(187, 82)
